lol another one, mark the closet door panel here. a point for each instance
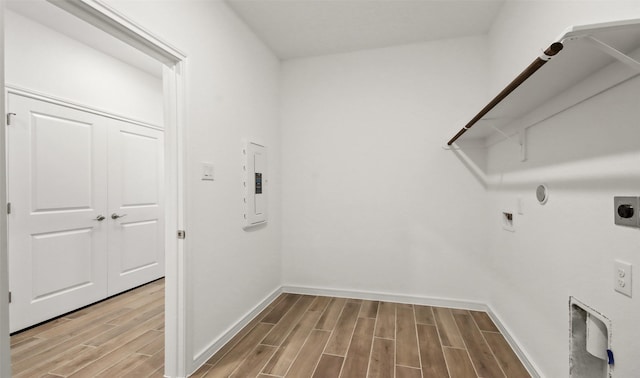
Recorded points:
(57, 181)
(136, 241)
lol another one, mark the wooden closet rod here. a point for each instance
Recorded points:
(552, 50)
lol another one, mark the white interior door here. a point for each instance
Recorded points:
(57, 186)
(136, 221)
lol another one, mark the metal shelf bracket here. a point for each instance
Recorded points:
(608, 49)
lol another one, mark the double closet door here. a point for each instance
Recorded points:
(86, 220)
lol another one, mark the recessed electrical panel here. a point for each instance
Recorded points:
(255, 188)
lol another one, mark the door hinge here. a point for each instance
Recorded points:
(9, 297)
(8, 207)
(9, 118)
(182, 234)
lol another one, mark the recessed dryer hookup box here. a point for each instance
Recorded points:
(625, 211)
(255, 184)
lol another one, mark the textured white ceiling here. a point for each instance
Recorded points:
(301, 28)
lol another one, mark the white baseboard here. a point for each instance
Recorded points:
(462, 304)
(387, 297)
(203, 356)
(514, 344)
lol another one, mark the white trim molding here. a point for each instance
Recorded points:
(36, 95)
(108, 19)
(202, 356)
(113, 22)
(524, 357)
(387, 297)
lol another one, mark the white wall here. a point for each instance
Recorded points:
(232, 92)
(41, 59)
(371, 201)
(586, 156)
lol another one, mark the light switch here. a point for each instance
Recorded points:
(207, 172)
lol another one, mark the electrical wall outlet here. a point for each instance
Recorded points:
(622, 277)
(625, 211)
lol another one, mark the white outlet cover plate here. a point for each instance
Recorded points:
(622, 277)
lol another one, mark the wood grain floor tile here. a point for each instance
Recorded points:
(407, 372)
(153, 347)
(25, 345)
(309, 355)
(507, 359)
(230, 361)
(406, 337)
(43, 357)
(329, 319)
(369, 309)
(281, 330)
(201, 372)
(54, 362)
(64, 347)
(483, 321)
(281, 309)
(320, 304)
(459, 363)
(286, 354)
(329, 366)
(30, 333)
(386, 324)
(339, 341)
(382, 358)
(131, 324)
(61, 340)
(121, 367)
(244, 331)
(123, 336)
(113, 357)
(146, 368)
(356, 363)
(255, 361)
(155, 304)
(481, 356)
(424, 315)
(449, 333)
(431, 356)
(157, 374)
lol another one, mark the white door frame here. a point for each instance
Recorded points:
(5, 359)
(118, 25)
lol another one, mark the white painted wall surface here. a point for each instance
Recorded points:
(586, 156)
(41, 59)
(371, 201)
(232, 92)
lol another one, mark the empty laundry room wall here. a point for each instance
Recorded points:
(371, 200)
(586, 155)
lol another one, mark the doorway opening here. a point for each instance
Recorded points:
(132, 137)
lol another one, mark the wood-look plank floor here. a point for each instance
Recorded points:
(302, 336)
(296, 336)
(122, 336)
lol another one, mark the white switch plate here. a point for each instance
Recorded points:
(207, 172)
(622, 277)
(520, 205)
